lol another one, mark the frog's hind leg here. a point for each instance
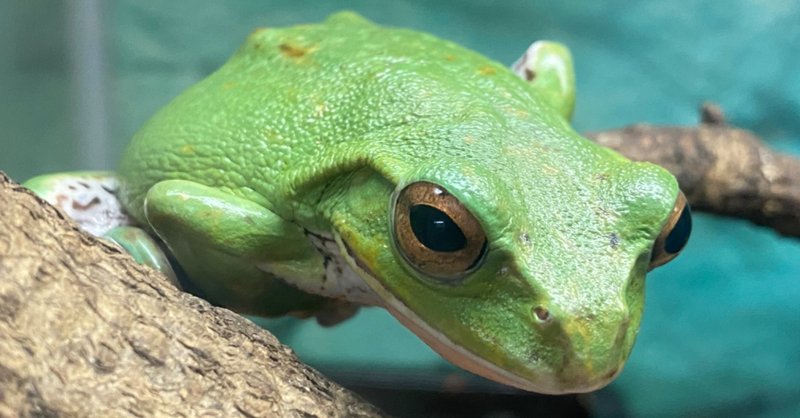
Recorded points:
(90, 199)
(547, 66)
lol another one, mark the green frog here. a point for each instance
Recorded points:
(343, 164)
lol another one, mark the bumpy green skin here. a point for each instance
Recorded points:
(315, 127)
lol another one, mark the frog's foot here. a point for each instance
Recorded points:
(90, 199)
(144, 249)
(547, 66)
(335, 311)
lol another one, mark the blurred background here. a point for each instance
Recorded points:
(721, 333)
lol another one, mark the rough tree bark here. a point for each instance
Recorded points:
(84, 331)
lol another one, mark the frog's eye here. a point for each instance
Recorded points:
(675, 234)
(435, 233)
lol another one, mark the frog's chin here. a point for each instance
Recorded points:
(453, 352)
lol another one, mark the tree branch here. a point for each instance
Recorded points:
(722, 170)
(85, 331)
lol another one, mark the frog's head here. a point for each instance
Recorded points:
(522, 261)
(510, 244)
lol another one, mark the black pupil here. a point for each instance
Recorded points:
(679, 235)
(435, 230)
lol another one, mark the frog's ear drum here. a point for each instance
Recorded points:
(674, 235)
(435, 233)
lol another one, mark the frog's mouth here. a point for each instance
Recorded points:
(447, 348)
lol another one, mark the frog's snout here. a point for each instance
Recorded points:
(594, 346)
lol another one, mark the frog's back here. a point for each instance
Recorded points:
(294, 103)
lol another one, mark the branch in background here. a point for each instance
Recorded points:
(85, 331)
(721, 169)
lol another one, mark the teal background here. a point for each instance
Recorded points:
(721, 333)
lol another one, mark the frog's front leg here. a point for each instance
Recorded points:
(236, 252)
(90, 199)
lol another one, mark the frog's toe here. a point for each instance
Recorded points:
(144, 249)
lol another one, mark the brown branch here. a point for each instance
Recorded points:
(84, 331)
(721, 169)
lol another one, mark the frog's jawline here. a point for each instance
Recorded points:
(340, 281)
(439, 342)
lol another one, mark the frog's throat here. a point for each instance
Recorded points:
(440, 343)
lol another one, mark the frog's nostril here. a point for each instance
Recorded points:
(541, 313)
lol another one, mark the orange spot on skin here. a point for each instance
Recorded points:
(550, 169)
(450, 57)
(516, 112)
(487, 70)
(320, 109)
(273, 135)
(229, 85)
(294, 51)
(187, 149)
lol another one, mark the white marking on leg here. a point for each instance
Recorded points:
(91, 202)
